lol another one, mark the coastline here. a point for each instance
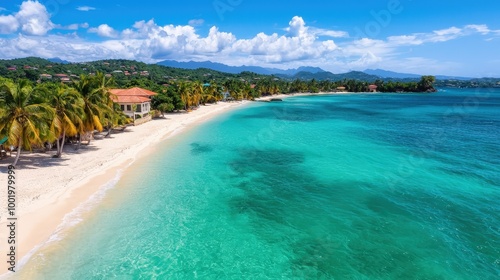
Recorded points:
(282, 96)
(50, 190)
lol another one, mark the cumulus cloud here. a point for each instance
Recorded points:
(297, 27)
(85, 8)
(34, 19)
(104, 30)
(295, 45)
(8, 24)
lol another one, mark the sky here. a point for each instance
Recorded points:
(457, 38)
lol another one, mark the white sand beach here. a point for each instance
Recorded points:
(49, 188)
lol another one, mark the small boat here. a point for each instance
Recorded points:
(275, 99)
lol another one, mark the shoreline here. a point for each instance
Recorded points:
(50, 190)
(282, 96)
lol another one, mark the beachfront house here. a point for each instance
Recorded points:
(372, 88)
(134, 102)
(226, 96)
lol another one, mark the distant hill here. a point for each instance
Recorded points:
(237, 69)
(128, 71)
(58, 60)
(328, 76)
(390, 74)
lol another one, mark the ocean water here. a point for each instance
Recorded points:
(376, 186)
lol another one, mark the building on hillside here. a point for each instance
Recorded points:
(45, 76)
(134, 102)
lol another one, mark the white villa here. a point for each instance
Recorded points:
(135, 103)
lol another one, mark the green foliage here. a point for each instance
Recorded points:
(166, 107)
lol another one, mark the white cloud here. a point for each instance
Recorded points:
(483, 28)
(298, 43)
(404, 40)
(73, 26)
(329, 33)
(449, 31)
(297, 27)
(34, 19)
(85, 8)
(8, 24)
(196, 22)
(104, 30)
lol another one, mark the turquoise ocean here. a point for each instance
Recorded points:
(355, 186)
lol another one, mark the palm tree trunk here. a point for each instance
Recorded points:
(58, 153)
(61, 146)
(18, 154)
(62, 142)
(109, 132)
(79, 141)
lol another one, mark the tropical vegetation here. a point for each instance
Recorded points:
(34, 116)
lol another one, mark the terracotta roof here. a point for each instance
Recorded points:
(131, 95)
(136, 91)
(129, 99)
(372, 86)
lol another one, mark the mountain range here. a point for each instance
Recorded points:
(238, 69)
(302, 72)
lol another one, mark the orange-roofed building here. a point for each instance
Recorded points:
(134, 102)
(372, 88)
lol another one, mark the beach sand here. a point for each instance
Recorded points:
(48, 189)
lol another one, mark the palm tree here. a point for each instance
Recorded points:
(97, 102)
(68, 105)
(197, 92)
(215, 92)
(25, 122)
(185, 93)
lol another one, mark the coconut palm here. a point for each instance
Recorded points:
(68, 106)
(197, 92)
(25, 122)
(214, 91)
(185, 94)
(97, 102)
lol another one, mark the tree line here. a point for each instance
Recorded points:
(34, 114)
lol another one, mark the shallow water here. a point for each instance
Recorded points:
(378, 186)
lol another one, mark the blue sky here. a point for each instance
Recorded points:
(422, 37)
